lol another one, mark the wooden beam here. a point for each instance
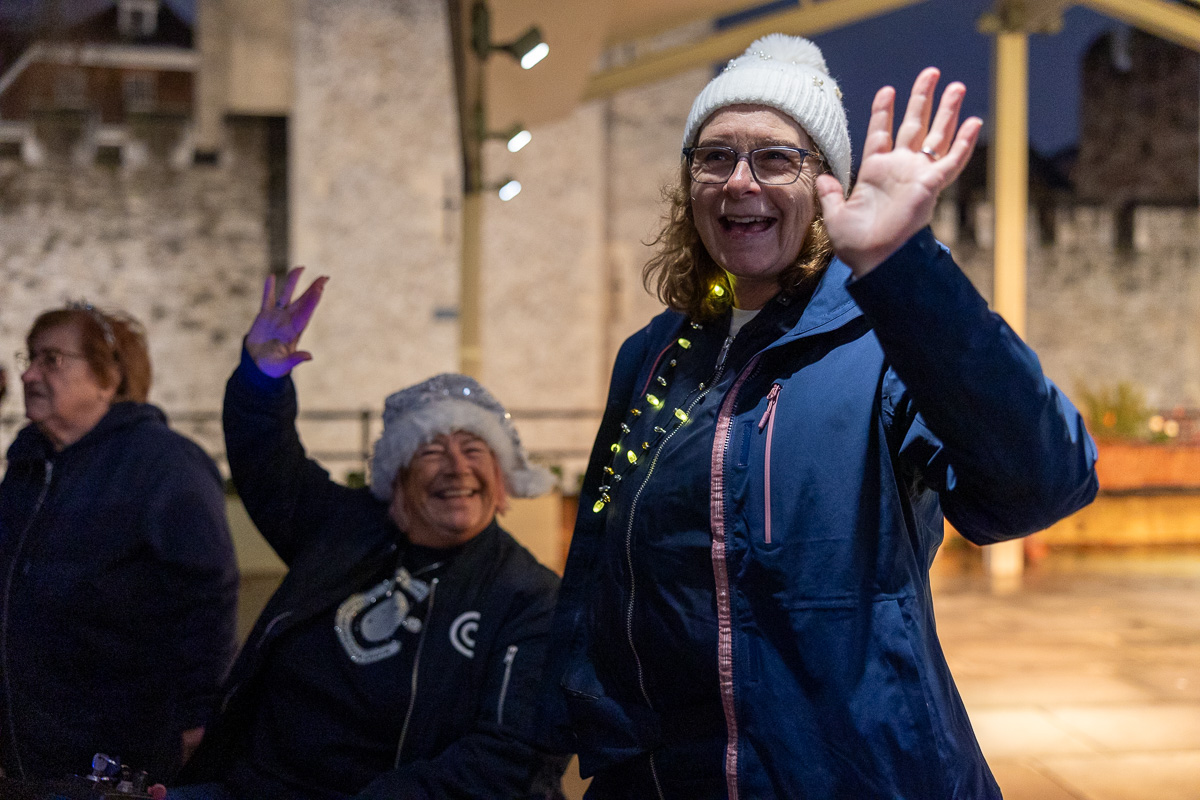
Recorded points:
(810, 19)
(1171, 21)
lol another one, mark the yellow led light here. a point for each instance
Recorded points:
(681, 415)
(632, 456)
(685, 344)
(616, 448)
(599, 504)
(718, 290)
(654, 401)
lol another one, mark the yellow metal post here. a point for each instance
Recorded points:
(1010, 174)
(469, 86)
(470, 343)
(1009, 169)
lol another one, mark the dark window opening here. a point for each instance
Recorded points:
(108, 155)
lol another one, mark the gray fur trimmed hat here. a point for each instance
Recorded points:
(444, 404)
(787, 73)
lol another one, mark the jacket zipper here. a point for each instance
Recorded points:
(412, 691)
(12, 572)
(509, 657)
(629, 540)
(721, 575)
(768, 421)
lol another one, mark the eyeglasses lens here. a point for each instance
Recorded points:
(769, 165)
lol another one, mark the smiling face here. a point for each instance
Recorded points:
(754, 231)
(64, 401)
(450, 492)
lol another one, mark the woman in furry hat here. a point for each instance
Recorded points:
(402, 655)
(745, 611)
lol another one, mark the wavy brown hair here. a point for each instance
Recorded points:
(114, 345)
(682, 274)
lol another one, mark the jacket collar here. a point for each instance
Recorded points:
(32, 445)
(831, 306)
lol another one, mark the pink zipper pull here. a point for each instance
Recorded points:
(772, 396)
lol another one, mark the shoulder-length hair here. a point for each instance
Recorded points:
(684, 276)
(113, 343)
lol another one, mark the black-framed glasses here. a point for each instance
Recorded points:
(49, 359)
(772, 166)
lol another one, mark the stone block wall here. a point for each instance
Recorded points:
(1101, 312)
(182, 250)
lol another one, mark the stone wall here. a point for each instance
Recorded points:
(1139, 118)
(184, 251)
(1101, 311)
(375, 186)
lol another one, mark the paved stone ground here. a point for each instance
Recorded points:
(1084, 684)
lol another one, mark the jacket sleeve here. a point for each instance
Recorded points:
(975, 418)
(499, 757)
(287, 495)
(197, 577)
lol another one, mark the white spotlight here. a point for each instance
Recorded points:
(518, 141)
(535, 55)
(510, 190)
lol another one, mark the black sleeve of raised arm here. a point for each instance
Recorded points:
(287, 495)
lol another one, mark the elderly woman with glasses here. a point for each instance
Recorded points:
(118, 601)
(746, 609)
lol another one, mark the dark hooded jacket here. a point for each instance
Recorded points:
(746, 609)
(118, 612)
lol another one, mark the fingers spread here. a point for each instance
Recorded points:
(920, 106)
(289, 286)
(879, 129)
(268, 297)
(306, 303)
(953, 163)
(946, 121)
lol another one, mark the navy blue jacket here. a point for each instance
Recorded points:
(118, 614)
(757, 536)
(469, 725)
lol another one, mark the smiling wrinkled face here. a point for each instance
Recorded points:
(753, 231)
(450, 492)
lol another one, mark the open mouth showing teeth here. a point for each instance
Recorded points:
(454, 494)
(747, 224)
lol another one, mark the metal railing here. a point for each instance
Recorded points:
(204, 427)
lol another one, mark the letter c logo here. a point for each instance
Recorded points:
(462, 632)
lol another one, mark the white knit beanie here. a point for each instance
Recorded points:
(787, 73)
(444, 404)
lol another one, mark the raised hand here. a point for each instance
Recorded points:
(898, 182)
(276, 330)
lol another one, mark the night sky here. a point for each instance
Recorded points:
(893, 48)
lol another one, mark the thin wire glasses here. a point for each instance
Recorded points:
(49, 359)
(773, 166)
